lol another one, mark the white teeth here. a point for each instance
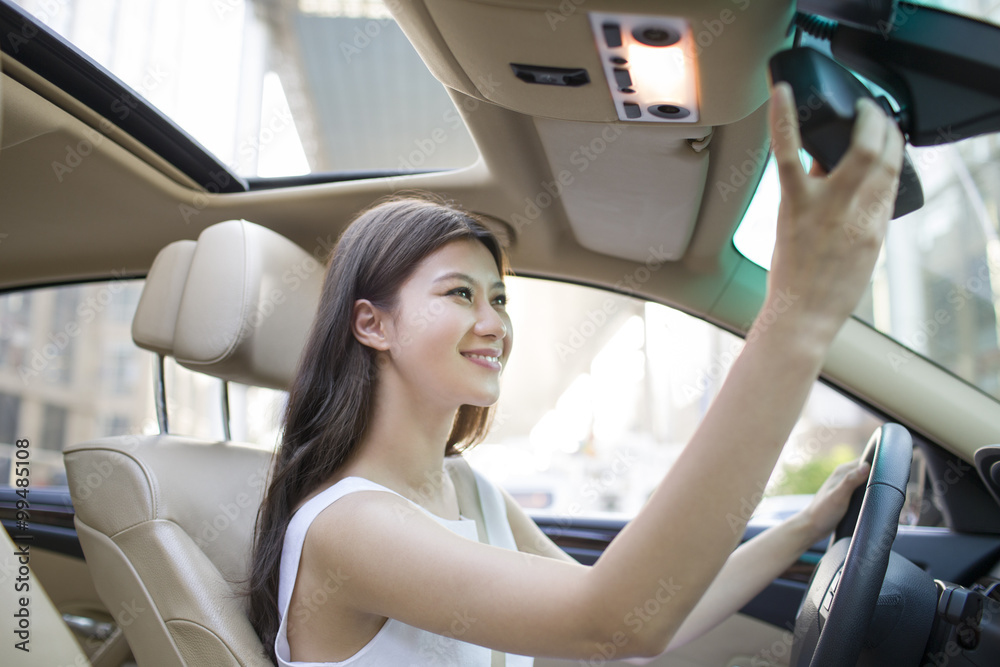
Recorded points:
(482, 356)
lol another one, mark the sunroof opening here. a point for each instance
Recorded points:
(276, 89)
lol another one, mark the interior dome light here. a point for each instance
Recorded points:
(650, 66)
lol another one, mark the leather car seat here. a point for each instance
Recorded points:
(49, 640)
(166, 521)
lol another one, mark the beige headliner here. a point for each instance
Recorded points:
(112, 213)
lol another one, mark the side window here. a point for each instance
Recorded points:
(69, 372)
(603, 391)
(601, 394)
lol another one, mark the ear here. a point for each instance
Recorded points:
(369, 325)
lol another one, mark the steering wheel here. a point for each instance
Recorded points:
(832, 622)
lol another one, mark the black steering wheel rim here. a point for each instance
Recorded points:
(844, 602)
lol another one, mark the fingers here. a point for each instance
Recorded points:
(892, 156)
(850, 474)
(854, 473)
(785, 141)
(817, 170)
(868, 142)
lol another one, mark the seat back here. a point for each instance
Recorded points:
(36, 632)
(166, 521)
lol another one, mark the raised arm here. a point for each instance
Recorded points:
(400, 563)
(829, 233)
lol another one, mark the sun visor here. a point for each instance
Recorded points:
(659, 175)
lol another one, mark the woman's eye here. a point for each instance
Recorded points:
(463, 292)
(500, 300)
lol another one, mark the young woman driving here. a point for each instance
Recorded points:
(402, 363)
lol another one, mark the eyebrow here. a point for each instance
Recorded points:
(455, 275)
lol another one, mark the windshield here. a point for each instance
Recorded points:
(936, 287)
(276, 88)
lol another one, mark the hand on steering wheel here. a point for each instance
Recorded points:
(833, 621)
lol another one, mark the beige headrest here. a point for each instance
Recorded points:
(237, 304)
(248, 303)
(156, 314)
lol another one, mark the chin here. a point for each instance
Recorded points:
(483, 400)
(483, 403)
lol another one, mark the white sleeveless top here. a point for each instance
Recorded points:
(396, 644)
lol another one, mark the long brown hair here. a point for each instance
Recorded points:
(330, 399)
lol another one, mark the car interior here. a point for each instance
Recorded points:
(620, 149)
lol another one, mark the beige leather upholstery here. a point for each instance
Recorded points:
(166, 521)
(50, 642)
(249, 301)
(156, 315)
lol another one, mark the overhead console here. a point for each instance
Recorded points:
(625, 91)
(563, 59)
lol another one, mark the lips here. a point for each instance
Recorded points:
(485, 358)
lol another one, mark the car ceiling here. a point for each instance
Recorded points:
(121, 204)
(112, 213)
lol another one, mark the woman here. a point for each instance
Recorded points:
(399, 371)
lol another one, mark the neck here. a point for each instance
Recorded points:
(403, 447)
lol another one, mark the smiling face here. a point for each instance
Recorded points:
(449, 336)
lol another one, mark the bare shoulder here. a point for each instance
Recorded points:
(362, 516)
(370, 526)
(394, 560)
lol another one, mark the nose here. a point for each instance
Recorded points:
(490, 323)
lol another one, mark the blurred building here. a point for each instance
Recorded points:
(69, 371)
